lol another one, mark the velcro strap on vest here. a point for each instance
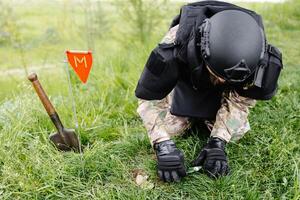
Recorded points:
(204, 31)
(275, 52)
(259, 76)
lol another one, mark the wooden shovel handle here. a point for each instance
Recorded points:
(41, 93)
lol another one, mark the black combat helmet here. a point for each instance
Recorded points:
(232, 44)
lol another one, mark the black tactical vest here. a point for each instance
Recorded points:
(179, 66)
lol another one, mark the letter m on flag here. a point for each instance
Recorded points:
(81, 62)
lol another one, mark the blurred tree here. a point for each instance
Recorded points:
(96, 23)
(10, 31)
(5, 21)
(143, 17)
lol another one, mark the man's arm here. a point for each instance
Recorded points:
(231, 124)
(160, 73)
(232, 118)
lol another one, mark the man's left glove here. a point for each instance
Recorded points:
(213, 158)
(170, 161)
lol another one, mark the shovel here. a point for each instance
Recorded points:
(65, 139)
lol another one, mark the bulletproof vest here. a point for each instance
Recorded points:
(194, 94)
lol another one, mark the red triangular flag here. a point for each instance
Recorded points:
(81, 62)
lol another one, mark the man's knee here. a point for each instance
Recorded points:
(176, 125)
(237, 135)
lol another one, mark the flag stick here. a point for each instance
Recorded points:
(73, 104)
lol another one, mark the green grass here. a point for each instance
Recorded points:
(265, 163)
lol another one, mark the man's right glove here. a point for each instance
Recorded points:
(213, 158)
(170, 161)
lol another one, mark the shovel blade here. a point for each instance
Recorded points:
(66, 141)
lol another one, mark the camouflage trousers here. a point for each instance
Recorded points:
(231, 121)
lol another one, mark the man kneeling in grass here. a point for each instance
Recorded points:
(212, 66)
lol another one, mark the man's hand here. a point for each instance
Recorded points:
(213, 158)
(170, 161)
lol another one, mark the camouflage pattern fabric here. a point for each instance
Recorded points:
(170, 36)
(231, 120)
(158, 120)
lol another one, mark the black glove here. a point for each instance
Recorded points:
(213, 158)
(170, 161)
